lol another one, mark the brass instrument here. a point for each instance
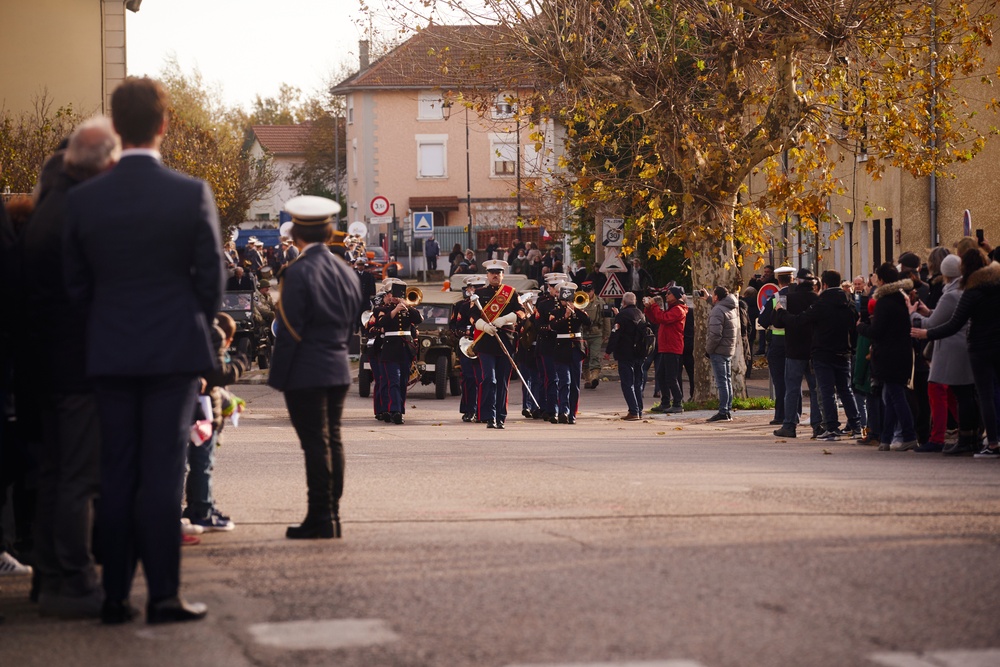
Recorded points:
(581, 300)
(365, 316)
(466, 346)
(413, 297)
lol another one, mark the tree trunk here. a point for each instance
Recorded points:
(712, 265)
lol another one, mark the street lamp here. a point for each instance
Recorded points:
(446, 114)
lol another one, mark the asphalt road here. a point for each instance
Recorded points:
(663, 543)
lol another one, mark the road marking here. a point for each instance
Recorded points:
(653, 663)
(328, 635)
(980, 658)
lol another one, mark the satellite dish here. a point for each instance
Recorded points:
(357, 228)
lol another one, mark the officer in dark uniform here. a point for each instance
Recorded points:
(462, 323)
(498, 314)
(399, 331)
(545, 344)
(317, 311)
(776, 344)
(567, 322)
(368, 287)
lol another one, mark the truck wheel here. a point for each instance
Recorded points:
(456, 384)
(364, 383)
(440, 377)
(264, 357)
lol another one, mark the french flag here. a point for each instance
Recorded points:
(545, 234)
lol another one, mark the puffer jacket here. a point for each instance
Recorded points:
(723, 327)
(950, 364)
(889, 332)
(980, 303)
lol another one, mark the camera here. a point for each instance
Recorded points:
(701, 293)
(606, 311)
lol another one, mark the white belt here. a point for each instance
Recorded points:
(397, 333)
(570, 335)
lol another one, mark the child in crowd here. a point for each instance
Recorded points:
(201, 510)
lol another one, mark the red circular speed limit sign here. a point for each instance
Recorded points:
(379, 205)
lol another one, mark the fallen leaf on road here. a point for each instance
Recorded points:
(661, 433)
(827, 451)
(678, 428)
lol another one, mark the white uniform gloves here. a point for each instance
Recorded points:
(486, 327)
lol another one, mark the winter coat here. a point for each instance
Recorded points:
(980, 305)
(889, 332)
(833, 321)
(798, 334)
(950, 362)
(723, 327)
(670, 332)
(621, 344)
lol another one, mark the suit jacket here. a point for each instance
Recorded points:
(320, 302)
(151, 312)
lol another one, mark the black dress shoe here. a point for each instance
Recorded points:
(467, 417)
(174, 610)
(386, 417)
(314, 529)
(397, 417)
(491, 423)
(571, 420)
(526, 413)
(500, 424)
(563, 419)
(116, 613)
(554, 419)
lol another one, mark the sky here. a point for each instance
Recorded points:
(246, 47)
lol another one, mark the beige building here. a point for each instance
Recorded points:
(71, 53)
(286, 146)
(408, 145)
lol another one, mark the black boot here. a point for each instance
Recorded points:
(313, 528)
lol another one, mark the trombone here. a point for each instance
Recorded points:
(581, 300)
(413, 297)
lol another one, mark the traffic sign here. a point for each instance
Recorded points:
(423, 223)
(613, 288)
(612, 261)
(381, 220)
(764, 293)
(614, 232)
(379, 205)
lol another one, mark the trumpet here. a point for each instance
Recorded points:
(413, 297)
(581, 300)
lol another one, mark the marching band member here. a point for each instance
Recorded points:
(527, 359)
(373, 349)
(462, 323)
(567, 322)
(399, 330)
(546, 344)
(499, 311)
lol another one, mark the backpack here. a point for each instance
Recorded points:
(645, 340)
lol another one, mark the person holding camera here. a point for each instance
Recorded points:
(720, 346)
(669, 346)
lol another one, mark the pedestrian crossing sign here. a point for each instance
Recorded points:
(423, 223)
(613, 288)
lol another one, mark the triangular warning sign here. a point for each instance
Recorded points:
(612, 262)
(613, 288)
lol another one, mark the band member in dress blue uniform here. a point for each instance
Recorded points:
(545, 344)
(527, 358)
(567, 322)
(399, 331)
(317, 311)
(462, 324)
(499, 312)
(373, 348)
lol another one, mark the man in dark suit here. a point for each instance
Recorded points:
(317, 311)
(149, 318)
(240, 281)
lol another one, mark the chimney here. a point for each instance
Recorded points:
(363, 54)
